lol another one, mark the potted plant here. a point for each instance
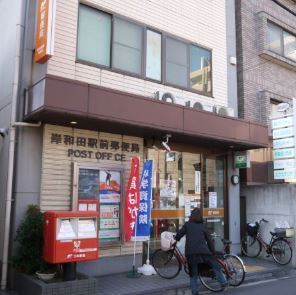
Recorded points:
(28, 258)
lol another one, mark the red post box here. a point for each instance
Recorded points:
(70, 236)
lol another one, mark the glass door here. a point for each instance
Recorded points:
(214, 188)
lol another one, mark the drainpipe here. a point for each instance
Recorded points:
(20, 29)
(12, 132)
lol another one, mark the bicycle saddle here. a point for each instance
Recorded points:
(226, 242)
(273, 234)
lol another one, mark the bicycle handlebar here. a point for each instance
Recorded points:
(263, 220)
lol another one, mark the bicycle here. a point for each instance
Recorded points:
(169, 263)
(279, 247)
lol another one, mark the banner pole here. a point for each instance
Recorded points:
(147, 269)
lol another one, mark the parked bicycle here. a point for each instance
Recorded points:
(169, 263)
(279, 247)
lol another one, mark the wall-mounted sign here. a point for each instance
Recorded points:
(283, 107)
(93, 148)
(284, 174)
(284, 143)
(242, 160)
(284, 153)
(284, 164)
(282, 122)
(44, 39)
(282, 133)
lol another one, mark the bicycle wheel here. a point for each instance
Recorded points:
(166, 263)
(250, 246)
(281, 251)
(235, 268)
(208, 278)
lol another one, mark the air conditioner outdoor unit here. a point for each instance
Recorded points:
(224, 111)
(198, 106)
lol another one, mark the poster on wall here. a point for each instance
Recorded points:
(212, 199)
(110, 234)
(191, 201)
(109, 211)
(168, 188)
(197, 182)
(88, 187)
(109, 186)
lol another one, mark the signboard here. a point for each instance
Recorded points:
(283, 143)
(284, 134)
(44, 39)
(282, 122)
(284, 164)
(242, 160)
(284, 174)
(284, 153)
(219, 212)
(132, 199)
(144, 212)
(197, 182)
(191, 201)
(212, 199)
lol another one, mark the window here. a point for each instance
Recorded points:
(200, 69)
(94, 32)
(289, 46)
(275, 38)
(153, 55)
(113, 42)
(176, 62)
(127, 46)
(281, 42)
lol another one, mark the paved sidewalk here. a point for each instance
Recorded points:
(119, 284)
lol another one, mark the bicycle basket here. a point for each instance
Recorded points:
(252, 229)
(166, 240)
(284, 232)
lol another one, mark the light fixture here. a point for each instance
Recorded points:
(73, 122)
(165, 143)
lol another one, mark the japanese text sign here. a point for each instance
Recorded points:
(44, 39)
(143, 219)
(132, 199)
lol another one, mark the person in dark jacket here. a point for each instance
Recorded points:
(199, 248)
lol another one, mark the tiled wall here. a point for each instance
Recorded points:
(257, 73)
(202, 22)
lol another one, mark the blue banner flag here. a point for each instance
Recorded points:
(144, 210)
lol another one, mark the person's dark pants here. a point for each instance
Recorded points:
(193, 272)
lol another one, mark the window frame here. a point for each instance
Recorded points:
(86, 62)
(142, 75)
(282, 54)
(146, 29)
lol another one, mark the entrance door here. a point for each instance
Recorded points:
(214, 191)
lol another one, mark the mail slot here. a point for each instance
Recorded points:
(70, 236)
